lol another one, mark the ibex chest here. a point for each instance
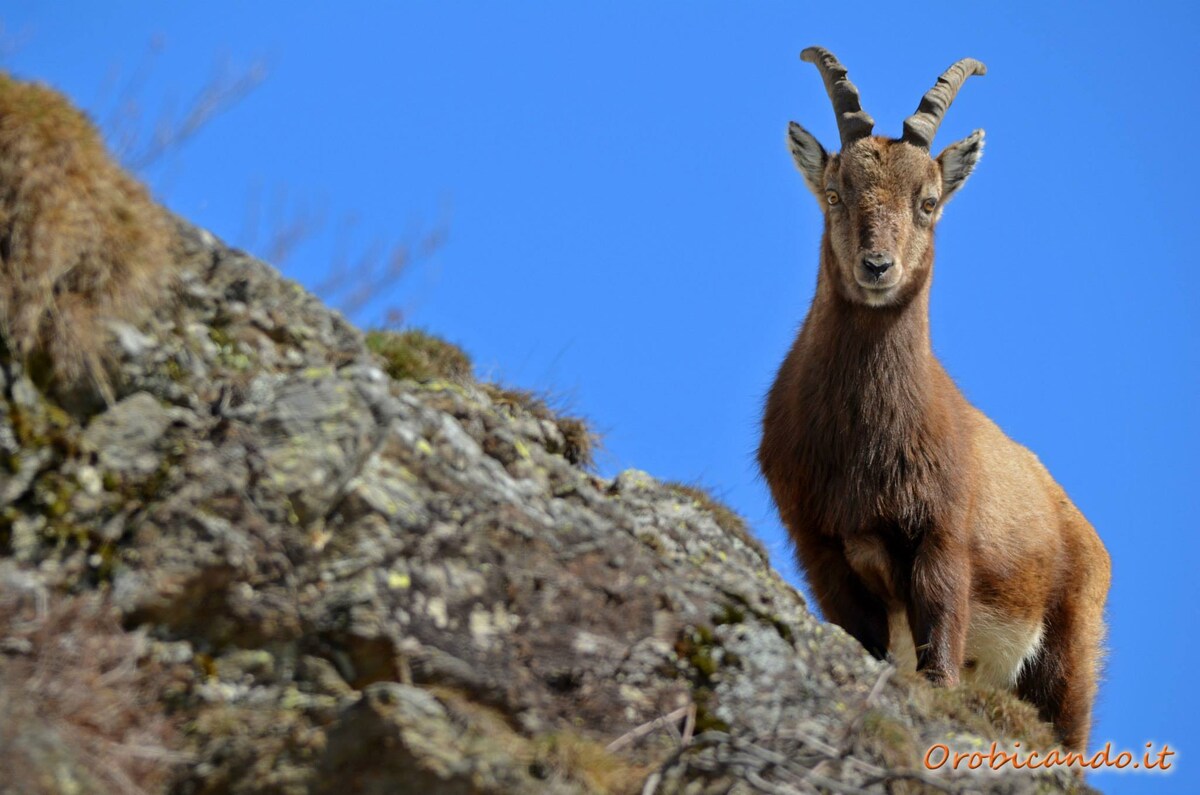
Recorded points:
(874, 471)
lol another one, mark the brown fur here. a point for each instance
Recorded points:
(80, 240)
(905, 502)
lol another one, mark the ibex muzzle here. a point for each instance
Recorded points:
(876, 264)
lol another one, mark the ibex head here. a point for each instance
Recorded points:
(882, 197)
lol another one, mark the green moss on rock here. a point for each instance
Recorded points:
(993, 714)
(418, 356)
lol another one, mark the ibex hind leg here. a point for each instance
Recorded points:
(1061, 680)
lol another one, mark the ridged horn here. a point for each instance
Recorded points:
(920, 127)
(853, 122)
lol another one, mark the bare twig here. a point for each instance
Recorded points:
(351, 284)
(911, 775)
(10, 42)
(225, 89)
(779, 773)
(125, 116)
(289, 234)
(754, 763)
(783, 763)
(646, 728)
(878, 774)
(357, 276)
(855, 725)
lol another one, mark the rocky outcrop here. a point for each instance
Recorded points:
(342, 580)
(277, 562)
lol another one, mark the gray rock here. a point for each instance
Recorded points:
(126, 436)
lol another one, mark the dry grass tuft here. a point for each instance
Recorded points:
(80, 702)
(890, 741)
(579, 440)
(724, 516)
(570, 756)
(722, 513)
(419, 356)
(560, 755)
(994, 714)
(80, 239)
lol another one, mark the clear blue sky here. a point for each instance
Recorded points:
(626, 228)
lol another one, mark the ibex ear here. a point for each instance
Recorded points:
(957, 161)
(810, 158)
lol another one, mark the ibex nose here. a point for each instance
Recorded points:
(877, 263)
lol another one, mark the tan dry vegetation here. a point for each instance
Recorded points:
(79, 697)
(579, 440)
(562, 755)
(994, 715)
(724, 516)
(80, 239)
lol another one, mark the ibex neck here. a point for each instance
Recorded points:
(875, 365)
(887, 336)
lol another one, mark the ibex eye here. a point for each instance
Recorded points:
(928, 205)
(832, 197)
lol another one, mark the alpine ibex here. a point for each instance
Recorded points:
(923, 530)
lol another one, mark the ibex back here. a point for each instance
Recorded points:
(923, 530)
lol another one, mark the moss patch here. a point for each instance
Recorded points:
(419, 356)
(889, 739)
(703, 657)
(993, 715)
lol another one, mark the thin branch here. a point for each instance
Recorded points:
(123, 119)
(647, 728)
(11, 43)
(225, 90)
(854, 727)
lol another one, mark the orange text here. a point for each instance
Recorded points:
(940, 755)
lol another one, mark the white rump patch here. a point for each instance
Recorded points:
(998, 646)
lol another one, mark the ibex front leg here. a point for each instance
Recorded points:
(938, 607)
(841, 594)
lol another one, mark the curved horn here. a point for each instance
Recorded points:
(920, 127)
(853, 122)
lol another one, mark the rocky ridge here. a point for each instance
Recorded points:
(339, 579)
(270, 559)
